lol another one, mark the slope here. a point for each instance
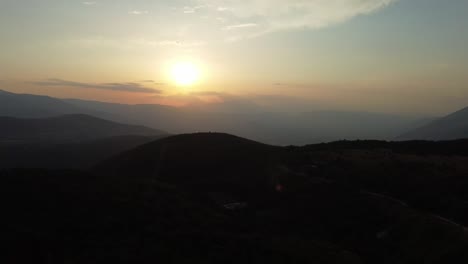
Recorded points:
(66, 128)
(453, 126)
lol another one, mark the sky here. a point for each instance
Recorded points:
(392, 56)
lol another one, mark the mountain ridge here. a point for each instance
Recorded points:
(279, 128)
(451, 127)
(67, 128)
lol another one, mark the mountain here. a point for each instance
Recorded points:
(245, 120)
(279, 128)
(69, 141)
(453, 126)
(34, 106)
(208, 162)
(67, 128)
(67, 155)
(211, 197)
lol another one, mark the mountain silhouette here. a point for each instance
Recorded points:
(209, 162)
(66, 155)
(67, 128)
(34, 106)
(210, 197)
(68, 141)
(257, 123)
(453, 126)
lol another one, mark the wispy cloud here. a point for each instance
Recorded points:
(134, 43)
(222, 8)
(152, 82)
(182, 44)
(207, 21)
(209, 93)
(264, 16)
(247, 103)
(121, 87)
(211, 100)
(138, 12)
(192, 9)
(89, 3)
(241, 26)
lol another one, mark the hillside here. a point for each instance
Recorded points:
(70, 141)
(67, 155)
(453, 126)
(210, 162)
(34, 106)
(210, 197)
(67, 128)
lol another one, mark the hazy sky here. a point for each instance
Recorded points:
(407, 56)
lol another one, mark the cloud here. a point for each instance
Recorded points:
(192, 9)
(182, 44)
(89, 3)
(153, 82)
(267, 16)
(211, 101)
(209, 93)
(121, 87)
(134, 43)
(247, 103)
(211, 21)
(241, 26)
(138, 12)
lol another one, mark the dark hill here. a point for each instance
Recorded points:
(75, 155)
(164, 202)
(66, 128)
(69, 141)
(207, 161)
(453, 126)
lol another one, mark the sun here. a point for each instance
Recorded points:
(185, 73)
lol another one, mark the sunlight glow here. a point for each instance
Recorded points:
(185, 73)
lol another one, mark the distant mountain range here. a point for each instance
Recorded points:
(69, 141)
(453, 126)
(280, 128)
(34, 106)
(66, 129)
